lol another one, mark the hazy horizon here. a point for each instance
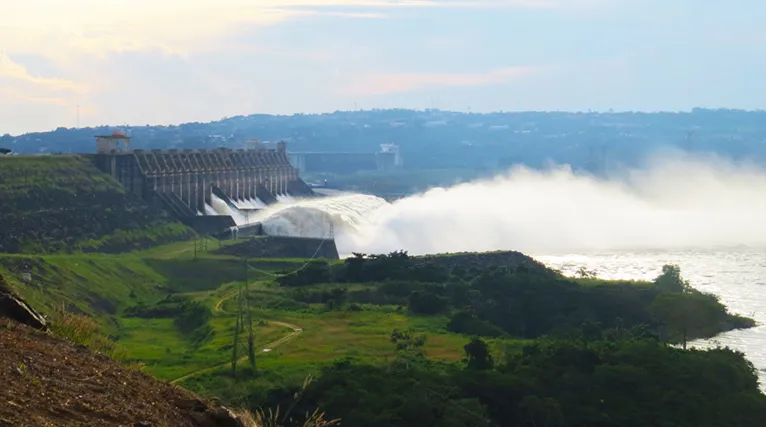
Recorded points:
(297, 113)
(143, 62)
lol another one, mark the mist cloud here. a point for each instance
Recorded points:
(676, 201)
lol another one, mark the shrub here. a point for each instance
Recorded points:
(425, 302)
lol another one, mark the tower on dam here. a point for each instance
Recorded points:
(185, 181)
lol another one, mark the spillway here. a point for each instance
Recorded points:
(340, 217)
(225, 185)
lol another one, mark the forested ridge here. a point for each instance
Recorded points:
(435, 139)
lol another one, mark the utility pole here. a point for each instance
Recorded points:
(251, 335)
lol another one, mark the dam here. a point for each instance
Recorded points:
(194, 184)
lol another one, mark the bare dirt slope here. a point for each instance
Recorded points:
(47, 381)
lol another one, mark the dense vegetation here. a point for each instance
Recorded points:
(491, 339)
(621, 381)
(576, 353)
(522, 299)
(63, 203)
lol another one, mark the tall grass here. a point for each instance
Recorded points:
(273, 418)
(84, 330)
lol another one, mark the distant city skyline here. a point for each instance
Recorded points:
(169, 62)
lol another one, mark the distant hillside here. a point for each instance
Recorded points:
(63, 203)
(441, 139)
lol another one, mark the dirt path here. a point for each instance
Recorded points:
(217, 306)
(270, 346)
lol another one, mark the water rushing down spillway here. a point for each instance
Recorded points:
(222, 208)
(312, 217)
(343, 217)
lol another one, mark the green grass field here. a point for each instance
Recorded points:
(104, 286)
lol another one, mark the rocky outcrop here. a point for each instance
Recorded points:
(14, 308)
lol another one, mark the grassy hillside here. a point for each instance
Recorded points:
(51, 204)
(490, 332)
(134, 296)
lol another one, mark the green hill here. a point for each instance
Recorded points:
(52, 204)
(393, 340)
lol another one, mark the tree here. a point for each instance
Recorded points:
(408, 346)
(541, 412)
(670, 280)
(478, 355)
(692, 314)
(4, 150)
(584, 273)
(425, 302)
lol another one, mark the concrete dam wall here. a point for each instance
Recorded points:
(283, 247)
(185, 181)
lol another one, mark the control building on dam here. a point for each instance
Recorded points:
(186, 181)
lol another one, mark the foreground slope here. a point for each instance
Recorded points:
(64, 203)
(388, 340)
(50, 381)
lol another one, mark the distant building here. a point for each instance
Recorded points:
(111, 143)
(348, 162)
(389, 157)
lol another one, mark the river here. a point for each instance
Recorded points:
(737, 276)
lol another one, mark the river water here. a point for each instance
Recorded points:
(737, 276)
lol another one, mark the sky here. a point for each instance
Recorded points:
(141, 62)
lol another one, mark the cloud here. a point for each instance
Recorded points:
(382, 84)
(56, 29)
(12, 96)
(12, 71)
(25, 96)
(215, 55)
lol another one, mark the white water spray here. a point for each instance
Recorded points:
(284, 198)
(348, 215)
(222, 208)
(675, 202)
(209, 210)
